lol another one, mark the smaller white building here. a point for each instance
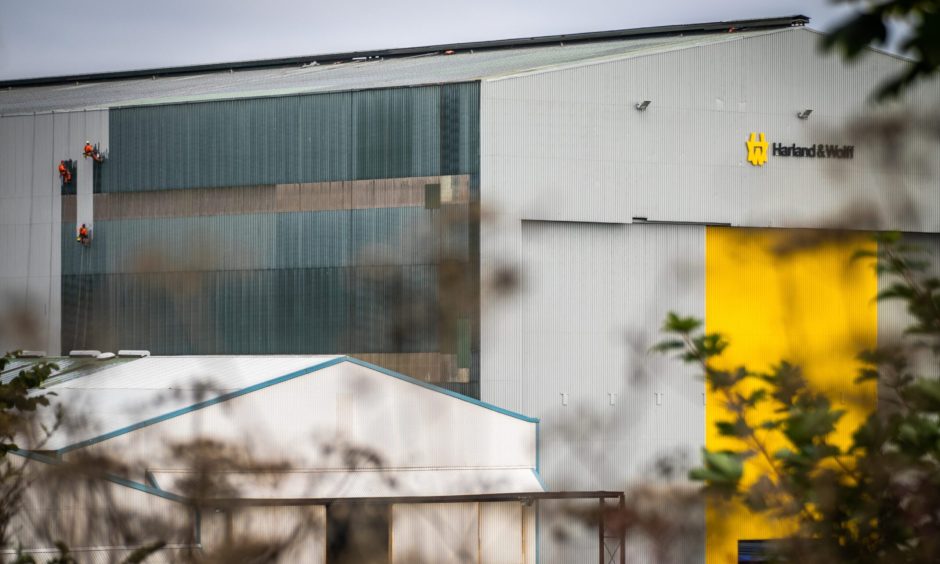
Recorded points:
(329, 457)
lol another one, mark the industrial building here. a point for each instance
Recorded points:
(510, 221)
(324, 434)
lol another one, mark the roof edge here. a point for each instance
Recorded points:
(290, 376)
(199, 405)
(797, 20)
(114, 478)
(445, 391)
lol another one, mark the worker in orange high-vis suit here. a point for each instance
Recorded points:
(64, 173)
(82, 235)
(91, 151)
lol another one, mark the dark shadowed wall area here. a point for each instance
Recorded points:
(338, 223)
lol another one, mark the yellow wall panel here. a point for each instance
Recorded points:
(813, 307)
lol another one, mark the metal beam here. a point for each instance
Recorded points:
(521, 497)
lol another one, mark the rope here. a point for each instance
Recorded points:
(78, 304)
(85, 318)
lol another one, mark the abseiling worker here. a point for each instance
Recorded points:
(91, 151)
(82, 235)
(64, 172)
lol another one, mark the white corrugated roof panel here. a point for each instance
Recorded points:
(355, 75)
(391, 482)
(133, 391)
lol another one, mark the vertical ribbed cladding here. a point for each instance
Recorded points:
(31, 217)
(460, 153)
(369, 134)
(288, 225)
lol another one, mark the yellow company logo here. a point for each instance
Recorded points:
(757, 150)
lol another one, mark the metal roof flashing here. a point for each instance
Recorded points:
(693, 41)
(796, 20)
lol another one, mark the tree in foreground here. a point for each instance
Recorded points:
(874, 498)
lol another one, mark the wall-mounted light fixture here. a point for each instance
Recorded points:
(804, 114)
(641, 106)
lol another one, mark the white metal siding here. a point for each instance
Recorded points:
(435, 532)
(569, 145)
(502, 528)
(301, 531)
(88, 513)
(478, 533)
(567, 162)
(405, 425)
(594, 298)
(31, 215)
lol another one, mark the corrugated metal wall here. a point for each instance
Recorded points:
(592, 301)
(309, 420)
(589, 155)
(568, 163)
(85, 512)
(31, 216)
(485, 533)
(299, 531)
(595, 296)
(287, 225)
(385, 133)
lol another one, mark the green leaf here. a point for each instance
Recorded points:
(677, 324)
(924, 395)
(668, 345)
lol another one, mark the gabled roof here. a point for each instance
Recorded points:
(359, 71)
(125, 396)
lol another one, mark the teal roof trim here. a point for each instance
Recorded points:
(284, 378)
(151, 479)
(107, 476)
(538, 477)
(198, 406)
(444, 391)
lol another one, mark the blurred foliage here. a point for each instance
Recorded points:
(876, 499)
(18, 404)
(870, 26)
(21, 403)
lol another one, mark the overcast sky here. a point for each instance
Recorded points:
(57, 37)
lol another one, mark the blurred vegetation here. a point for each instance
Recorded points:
(870, 27)
(876, 499)
(18, 404)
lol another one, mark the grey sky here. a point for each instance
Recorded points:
(56, 37)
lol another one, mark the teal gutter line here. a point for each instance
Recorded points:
(107, 476)
(291, 376)
(151, 479)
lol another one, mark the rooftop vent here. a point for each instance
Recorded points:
(135, 354)
(31, 354)
(105, 356)
(84, 354)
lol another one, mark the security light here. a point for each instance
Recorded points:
(641, 106)
(804, 114)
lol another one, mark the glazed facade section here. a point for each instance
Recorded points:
(328, 223)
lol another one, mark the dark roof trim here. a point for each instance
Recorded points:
(685, 29)
(459, 498)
